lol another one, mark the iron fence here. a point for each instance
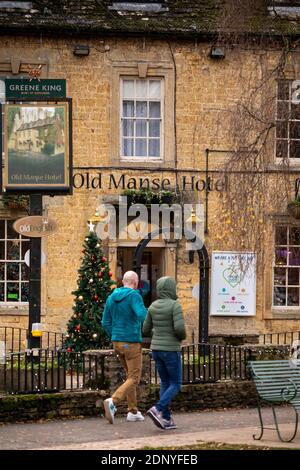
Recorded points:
(203, 362)
(48, 370)
(15, 339)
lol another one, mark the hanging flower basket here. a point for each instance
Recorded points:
(15, 202)
(293, 208)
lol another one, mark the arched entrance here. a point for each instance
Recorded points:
(203, 267)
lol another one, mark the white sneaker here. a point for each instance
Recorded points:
(135, 416)
(110, 410)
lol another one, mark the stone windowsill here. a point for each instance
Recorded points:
(288, 314)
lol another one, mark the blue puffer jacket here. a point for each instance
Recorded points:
(124, 315)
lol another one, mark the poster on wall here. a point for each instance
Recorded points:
(233, 284)
(37, 147)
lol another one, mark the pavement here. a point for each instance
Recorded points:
(232, 426)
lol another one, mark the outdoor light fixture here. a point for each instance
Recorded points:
(81, 50)
(217, 53)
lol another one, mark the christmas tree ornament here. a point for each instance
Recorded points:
(69, 349)
(95, 336)
(91, 281)
(80, 297)
(103, 260)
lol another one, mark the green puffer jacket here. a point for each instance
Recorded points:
(164, 321)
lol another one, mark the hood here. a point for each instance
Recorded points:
(120, 293)
(166, 288)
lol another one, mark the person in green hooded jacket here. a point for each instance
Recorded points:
(165, 323)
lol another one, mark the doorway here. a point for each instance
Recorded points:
(152, 268)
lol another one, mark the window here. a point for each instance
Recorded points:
(14, 273)
(141, 118)
(287, 124)
(286, 284)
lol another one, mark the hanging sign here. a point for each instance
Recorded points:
(233, 284)
(35, 226)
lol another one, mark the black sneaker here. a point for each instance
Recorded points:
(156, 417)
(169, 424)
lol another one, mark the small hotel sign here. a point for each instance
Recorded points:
(16, 88)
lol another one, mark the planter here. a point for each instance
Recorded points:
(294, 210)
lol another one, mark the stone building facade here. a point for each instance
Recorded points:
(136, 63)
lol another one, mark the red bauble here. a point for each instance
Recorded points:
(95, 297)
(100, 274)
(103, 260)
(110, 274)
(77, 327)
(69, 349)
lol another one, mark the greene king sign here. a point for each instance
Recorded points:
(16, 88)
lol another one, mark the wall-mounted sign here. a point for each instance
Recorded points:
(37, 148)
(35, 226)
(233, 284)
(24, 88)
(27, 258)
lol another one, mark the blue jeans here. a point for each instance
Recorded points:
(168, 364)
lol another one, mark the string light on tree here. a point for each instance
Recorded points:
(90, 297)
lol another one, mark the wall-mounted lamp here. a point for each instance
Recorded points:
(217, 53)
(81, 49)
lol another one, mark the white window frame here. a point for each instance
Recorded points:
(6, 261)
(286, 267)
(292, 161)
(162, 120)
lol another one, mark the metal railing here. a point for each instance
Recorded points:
(279, 339)
(48, 371)
(202, 363)
(15, 339)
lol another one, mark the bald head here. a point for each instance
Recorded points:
(131, 280)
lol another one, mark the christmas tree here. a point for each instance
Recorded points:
(94, 286)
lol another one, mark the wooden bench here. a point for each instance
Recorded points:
(277, 382)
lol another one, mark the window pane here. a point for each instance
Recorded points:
(10, 231)
(128, 108)
(154, 147)
(280, 235)
(154, 89)
(154, 128)
(293, 296)
(24, 272)
(13, 271)
(128, 127)
(283, 90)
(128, 88)
(154, 109)
(141, 147)
(294, 130)
(281, 256)
(2, 229)
(128, 147)
(295, 149)
(293, 277)
(141, 128)
(24, 292)
(281, 129)
(2, 271)
(141, 109)
(294, 236)
(279, 296)
(24, 248)
(283, 110)
(2, 251)
(279, 277)
(295, 111)
(141, 89)
(281, 149)
(13, 250)
(294, 256)
(13, 292)
(1, 292)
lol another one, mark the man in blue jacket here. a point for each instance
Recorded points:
(123, 317)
